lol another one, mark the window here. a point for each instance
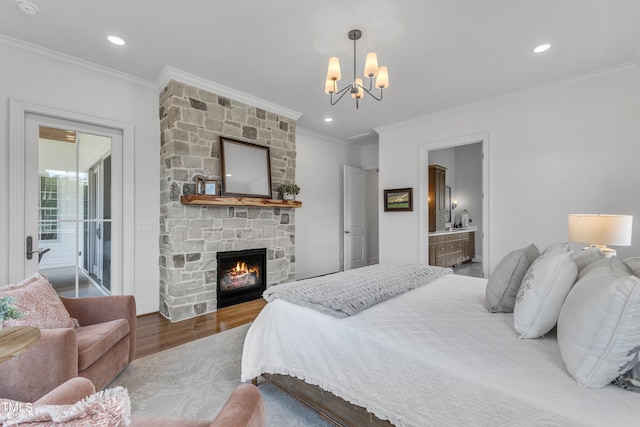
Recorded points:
(48, 208)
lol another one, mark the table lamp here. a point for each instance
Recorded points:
(601, 230)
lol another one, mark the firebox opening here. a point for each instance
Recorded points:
(242, 276)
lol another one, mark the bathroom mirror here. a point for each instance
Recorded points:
(246, 169)
(447, 203)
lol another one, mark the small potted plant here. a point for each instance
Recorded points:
(289, 191)
(8, 310)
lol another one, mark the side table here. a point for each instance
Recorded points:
(16, 339)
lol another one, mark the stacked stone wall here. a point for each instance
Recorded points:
(192, 121)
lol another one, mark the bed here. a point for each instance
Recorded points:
(431, 356)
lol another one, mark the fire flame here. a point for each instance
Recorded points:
(242, 269)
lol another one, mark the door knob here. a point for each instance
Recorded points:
(347, 232)
(30, 250)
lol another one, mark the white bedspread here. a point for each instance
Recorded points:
(432, 357)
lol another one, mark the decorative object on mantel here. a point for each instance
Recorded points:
(246, 169)
(206, 186)
(289, 191)
(356, 88)
(601, 230)
(398, 200)
(201, 199)
(8, 310)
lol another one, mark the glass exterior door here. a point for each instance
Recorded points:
(74, 221)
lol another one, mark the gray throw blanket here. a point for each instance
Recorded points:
(349, 292)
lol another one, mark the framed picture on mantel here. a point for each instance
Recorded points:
(205, 186)
(398, 200)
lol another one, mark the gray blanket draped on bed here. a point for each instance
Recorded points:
(349, 292)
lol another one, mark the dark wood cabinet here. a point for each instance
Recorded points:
(437, 199)
(447, 250)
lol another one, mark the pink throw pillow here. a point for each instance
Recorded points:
(108, 408)
(39, 304)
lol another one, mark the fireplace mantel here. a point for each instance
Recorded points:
(201, 199)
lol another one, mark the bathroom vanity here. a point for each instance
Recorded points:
(449, 248)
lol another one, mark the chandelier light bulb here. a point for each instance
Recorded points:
(333, 71)
(382, 82)
(371, 65)
(359, 92)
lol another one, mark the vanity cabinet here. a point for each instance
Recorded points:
(451, 248)
(437, 200)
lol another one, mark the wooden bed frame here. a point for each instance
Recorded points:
(331, 407)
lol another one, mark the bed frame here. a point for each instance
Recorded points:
(329, 406)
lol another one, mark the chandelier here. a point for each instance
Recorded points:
(356, 89)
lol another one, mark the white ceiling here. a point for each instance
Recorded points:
(440, 53)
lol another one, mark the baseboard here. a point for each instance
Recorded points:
(305, 274)
(477, 259)
(373, 261)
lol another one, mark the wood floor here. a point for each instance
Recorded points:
(155, 333)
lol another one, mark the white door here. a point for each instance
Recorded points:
(62, 211)
(355, 225)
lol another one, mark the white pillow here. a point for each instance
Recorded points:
(543, 290)
(599, 327)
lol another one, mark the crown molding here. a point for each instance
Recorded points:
(327, 138)
(169, 73)
(42, 53)
(582, 78)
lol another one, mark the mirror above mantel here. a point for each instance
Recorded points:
(246, 169)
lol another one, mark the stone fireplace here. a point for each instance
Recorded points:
(242, 276)
(192, 121)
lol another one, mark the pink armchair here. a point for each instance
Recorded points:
(98, 350)
(244, 408)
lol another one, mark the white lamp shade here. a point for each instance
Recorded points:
(382, 81)
(360, 93)
(329, 86)
(333, 71)
(371, 65)
(600, 229)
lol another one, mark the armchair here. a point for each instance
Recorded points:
(244, 407)
(98, 350)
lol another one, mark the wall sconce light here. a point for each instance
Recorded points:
(454, 204)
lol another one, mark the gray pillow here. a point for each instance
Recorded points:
(614, 264)
(555, 247)
(634, 264)
(506, 279)
(587, 256)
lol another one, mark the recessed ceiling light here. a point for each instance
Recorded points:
(328, 119)
(26, 7)
(116, 40)
(542, 48)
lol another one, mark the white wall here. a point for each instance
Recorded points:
(319, 222)
(38, 79)
(565, 148)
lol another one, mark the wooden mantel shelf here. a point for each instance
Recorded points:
(201, 199)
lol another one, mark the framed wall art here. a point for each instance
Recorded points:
(398, 200)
